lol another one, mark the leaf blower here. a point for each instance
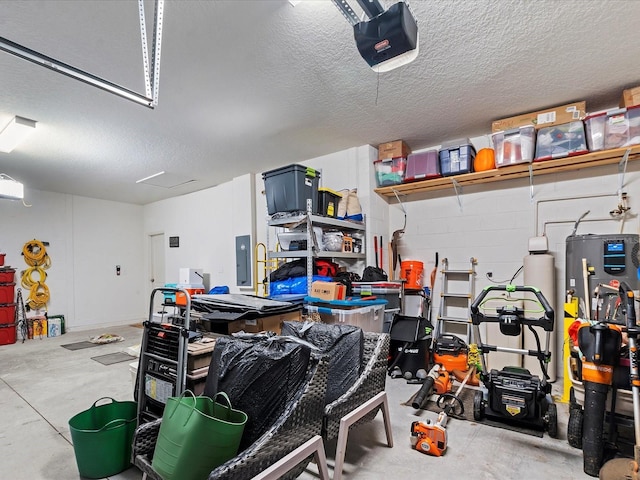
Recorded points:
(624, 467)
(437, 380)
(431, 438)
(600, 346)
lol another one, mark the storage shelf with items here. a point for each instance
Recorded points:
(578, 162)
(350, 235)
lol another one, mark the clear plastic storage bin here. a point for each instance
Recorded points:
(390, 171)
(369, 318)
(514, 146)
(613, 128)
(561, 141)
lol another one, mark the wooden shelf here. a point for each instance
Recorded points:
(595, 159)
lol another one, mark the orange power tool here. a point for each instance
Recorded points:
(431, 438)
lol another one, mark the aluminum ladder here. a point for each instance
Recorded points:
(456, 296)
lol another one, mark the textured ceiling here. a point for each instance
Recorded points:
(246, 86)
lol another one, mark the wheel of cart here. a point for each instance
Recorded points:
(514, 395)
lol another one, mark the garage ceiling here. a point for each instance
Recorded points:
(246, 86)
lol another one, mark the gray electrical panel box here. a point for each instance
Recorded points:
(243, 261)
(609, 257)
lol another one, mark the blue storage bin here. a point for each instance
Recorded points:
(456, 157)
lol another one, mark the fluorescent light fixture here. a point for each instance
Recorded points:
(16, 131)
(10, 188)
(150, 177)
(165, 180)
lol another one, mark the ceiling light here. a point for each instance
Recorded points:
(10, 188)
(142, 180)
(16, 131)
(165, 180)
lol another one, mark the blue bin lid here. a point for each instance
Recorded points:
(352, 302)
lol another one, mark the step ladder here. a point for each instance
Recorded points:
(456, 296)
(162, 366)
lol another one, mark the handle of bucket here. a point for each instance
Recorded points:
(227, 401)
(193, 408)
(103, 398)
(112, 424)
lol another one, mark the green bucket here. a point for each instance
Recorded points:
(196, 435)
(102, 437)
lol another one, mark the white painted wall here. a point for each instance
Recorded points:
(87, 238)
(203, 220)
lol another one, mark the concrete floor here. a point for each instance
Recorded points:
(43, 385)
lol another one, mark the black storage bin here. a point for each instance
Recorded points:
(288, 188)
(328, 202)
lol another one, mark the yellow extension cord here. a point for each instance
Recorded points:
(35, 255)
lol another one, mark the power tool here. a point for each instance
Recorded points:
(437, 381)
(431, 438)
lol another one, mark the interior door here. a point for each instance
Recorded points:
(156, 263)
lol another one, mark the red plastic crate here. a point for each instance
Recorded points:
(7, 292)
(7, 313)
(7, 334)
(7, 275)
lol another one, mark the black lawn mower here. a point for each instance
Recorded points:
(513, 395)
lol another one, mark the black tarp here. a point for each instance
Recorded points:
(343, 344)
(260, 374)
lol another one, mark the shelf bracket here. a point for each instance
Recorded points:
(531, 183)
(458, 189)
(622, 169)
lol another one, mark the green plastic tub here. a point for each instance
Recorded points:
(102, 437)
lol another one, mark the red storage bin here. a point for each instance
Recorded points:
(7, 292)
(2, 255)
(7, 275)
(422, 166)
(7, 334)
(7, 313)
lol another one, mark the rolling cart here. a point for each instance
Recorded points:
(163, 357)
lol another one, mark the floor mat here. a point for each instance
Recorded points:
(80, 345)
(111, 358)
(466, 396)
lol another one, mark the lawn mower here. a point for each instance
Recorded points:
(513, 395)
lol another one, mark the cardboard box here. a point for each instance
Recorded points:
(543, 118)
(394, 149)
(199, 354)
(328, 290)
(272, 323)
(630, 97)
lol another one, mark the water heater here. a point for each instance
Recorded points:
(608, 257)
